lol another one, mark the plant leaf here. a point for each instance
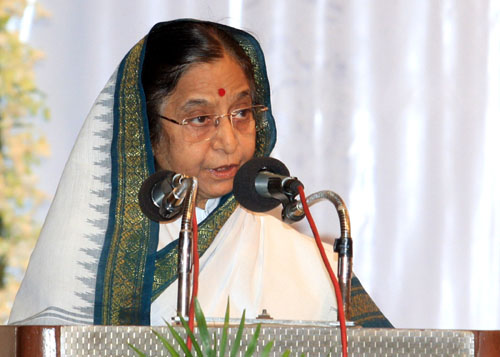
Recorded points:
(237, 340)
(267, 349)
(213, 351)
(166, 344)
(202, 328)
(180, 341)
(286, 353)
(193, 338)
(223, 341)
(253, 342)
(139, 353)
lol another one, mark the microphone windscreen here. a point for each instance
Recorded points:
(244, 183)
(155, 188)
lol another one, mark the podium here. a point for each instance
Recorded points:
(81, 341)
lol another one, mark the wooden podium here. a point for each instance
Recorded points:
(81, 341)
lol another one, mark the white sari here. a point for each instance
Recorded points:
(259, 263)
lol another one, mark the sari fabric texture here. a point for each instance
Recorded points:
(97, 259)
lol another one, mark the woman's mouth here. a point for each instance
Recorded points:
(225, 172)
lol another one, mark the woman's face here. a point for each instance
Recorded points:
(207, 88)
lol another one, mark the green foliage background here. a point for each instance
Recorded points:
(21, 147)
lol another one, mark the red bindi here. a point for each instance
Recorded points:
(222, 92)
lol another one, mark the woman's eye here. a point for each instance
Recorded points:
(242, 113)
(200, 120)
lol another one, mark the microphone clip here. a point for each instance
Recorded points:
(162, 194)
(173, 197)
(292, 212)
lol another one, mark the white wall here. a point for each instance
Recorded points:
(392, 104)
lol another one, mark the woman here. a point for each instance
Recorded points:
(99, 260)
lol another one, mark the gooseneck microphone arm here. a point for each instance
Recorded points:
(294, 212)
(190, 185)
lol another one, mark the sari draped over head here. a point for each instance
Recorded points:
(96, 260)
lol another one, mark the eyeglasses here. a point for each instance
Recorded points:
(204, 127)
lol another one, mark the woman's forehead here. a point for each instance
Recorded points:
(203, 83)
(194, 102)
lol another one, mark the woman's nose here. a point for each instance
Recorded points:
(225, 136)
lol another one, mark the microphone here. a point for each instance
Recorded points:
(161, 195)
(261, 184)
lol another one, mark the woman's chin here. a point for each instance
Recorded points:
(204, 195)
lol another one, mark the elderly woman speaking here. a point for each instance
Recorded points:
(191, 97)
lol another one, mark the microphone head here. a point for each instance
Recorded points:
(152, 191)
(244, 183)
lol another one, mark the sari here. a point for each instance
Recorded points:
(97, 259)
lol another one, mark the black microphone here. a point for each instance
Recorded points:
(261, 184)
(161, 196)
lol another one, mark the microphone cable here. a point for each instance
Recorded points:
(338, 293)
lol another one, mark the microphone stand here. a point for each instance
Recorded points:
(185, 260)
(294, 212)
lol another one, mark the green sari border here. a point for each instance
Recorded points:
(124, 278)
(364, 311)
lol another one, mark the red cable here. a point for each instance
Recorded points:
(196, 270)
(338, 294)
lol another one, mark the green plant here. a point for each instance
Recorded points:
(208, 346)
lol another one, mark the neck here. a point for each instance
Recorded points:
(201, 203)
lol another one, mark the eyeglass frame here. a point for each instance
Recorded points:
(217, 118)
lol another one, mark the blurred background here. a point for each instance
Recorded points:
(394, 105)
